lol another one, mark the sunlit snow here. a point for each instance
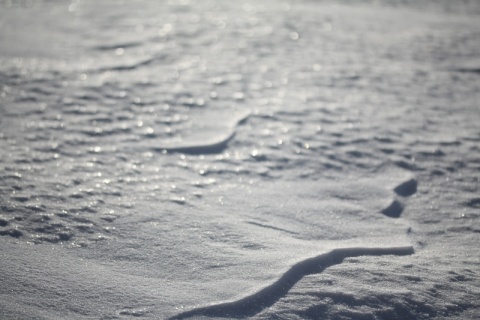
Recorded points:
(191, 159)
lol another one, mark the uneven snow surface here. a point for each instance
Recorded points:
(188, 159)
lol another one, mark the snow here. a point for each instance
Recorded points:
(272, 160)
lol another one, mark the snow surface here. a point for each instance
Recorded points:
(191, 159)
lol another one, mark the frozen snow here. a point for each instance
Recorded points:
(209, 159)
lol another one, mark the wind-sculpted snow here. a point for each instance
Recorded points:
(205, 147)
(161, 155)
(215, 146)
(264, 298)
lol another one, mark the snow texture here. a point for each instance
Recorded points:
(198, 159)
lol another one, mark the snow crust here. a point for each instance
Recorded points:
(211, 159)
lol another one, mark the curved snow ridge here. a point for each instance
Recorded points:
(207, 147)
(266, 297)
(214, 146)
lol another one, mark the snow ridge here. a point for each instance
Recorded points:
(207, 147)
(210, 147)
(258, 301)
